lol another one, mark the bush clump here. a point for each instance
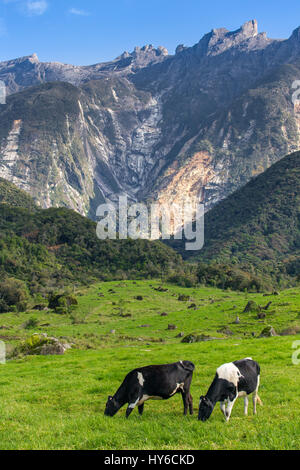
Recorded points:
(14, 295)
(62, 303)
(228, 277)
(31, 323)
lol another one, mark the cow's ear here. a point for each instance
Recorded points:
(202, 398)
(187, 365)
(110, 397)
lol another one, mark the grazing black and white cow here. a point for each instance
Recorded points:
(157, 382)
(232, 380)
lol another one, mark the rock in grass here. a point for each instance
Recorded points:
(42, 345)
(267, 306)
(225, 331)
(252, 307)
(160, 289)
(192, 306)
(291, 330)
(181, 335)
(183, 298)
(261, 315)
(193, 338)
(267, 332)
(39, 307)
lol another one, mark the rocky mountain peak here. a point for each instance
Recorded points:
(33, 58)
(220, 39)
(143, 56)
(249, 29)
(180, 48)
(149, 49)
(296, 34)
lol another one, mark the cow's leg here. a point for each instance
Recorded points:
(186, 396)
(246, 403)
(186, 402)
(229, 408)
(254, 400)
(255, 397)
(222, 406)
(191, 408)
(141, 409)
(131, 405)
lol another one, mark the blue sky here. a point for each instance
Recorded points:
(89, 31)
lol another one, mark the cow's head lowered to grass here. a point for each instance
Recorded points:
(232, 380)
(205, 408)
(112, 406)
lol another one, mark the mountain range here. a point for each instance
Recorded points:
(203, 121)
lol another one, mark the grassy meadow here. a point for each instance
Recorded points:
(57, 402)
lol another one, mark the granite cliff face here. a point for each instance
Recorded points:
(151, 125)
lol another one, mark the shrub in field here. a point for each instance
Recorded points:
(228, 277)
(31, 323)
(62, 303)
(183, 279)
(13, 292)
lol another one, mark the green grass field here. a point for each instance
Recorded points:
(57, 402)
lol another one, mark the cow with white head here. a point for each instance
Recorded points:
(232, 380)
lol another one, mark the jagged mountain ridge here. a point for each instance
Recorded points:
(28, 71)
(150, 124)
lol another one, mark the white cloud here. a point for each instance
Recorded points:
(30, 7)
(75, 11)
(36, 7)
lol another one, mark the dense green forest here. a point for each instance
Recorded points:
(12, 196)
(255, 232)
(53, 248)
